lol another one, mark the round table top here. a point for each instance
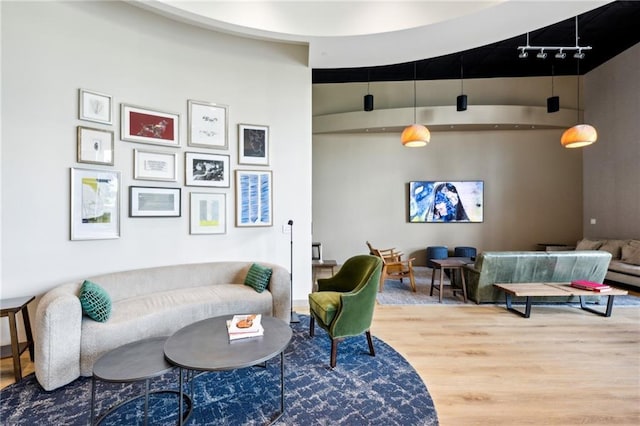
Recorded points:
(134, 361)
(205, 345)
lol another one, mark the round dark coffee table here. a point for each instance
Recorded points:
(205, 346)
(137, 361)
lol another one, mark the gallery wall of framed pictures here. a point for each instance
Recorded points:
(96, 192)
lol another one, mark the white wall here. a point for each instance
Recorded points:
(612, 165)
(50, 49)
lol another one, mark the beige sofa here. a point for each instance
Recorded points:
(145, 303)
(625, 258)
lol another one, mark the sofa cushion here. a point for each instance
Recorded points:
(586, 244)
(325, 304)
(631, 254)
(614, 247)
(258, 277)
(95, 301)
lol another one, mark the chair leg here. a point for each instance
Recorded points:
(383, 277)
(370, 341)
(412, 281)
(312, 326)
(334, 352)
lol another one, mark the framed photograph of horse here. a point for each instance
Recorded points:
(149, 126)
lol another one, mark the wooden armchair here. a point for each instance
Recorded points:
(393, 267)
(391, 253)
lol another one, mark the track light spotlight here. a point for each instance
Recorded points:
(541, 55)
(578, 55)
(561, 55)
(523, 54)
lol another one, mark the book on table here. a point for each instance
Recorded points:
(590, 285)
(245, 326)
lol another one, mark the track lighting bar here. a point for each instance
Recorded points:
(561, 51)
(579, 54)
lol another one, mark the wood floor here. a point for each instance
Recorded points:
(486, 366)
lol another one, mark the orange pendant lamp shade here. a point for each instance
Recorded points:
(415, 135)
(578, 136)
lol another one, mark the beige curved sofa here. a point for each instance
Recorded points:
(145, 303)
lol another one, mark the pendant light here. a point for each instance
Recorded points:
(415, 135)
(368, 98)
(553, 102)
(461, 100)
(581, 134)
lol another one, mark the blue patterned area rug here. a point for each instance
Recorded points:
(361, 390)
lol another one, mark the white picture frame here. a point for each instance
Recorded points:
(203, 169)
(155, 165)
(253, 144)
(146, 201)
(254, 198)
(94, 106)
(208, 125)
(208, 213)
(95, 204)
(95, 146)
(144, 125)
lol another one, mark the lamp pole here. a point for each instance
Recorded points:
(294, 315)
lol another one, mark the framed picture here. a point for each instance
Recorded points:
(254, 198)
(206, 169)
(253, 144)
(155, 165)
(95, 146)
(94, 106)
(207, 125)
(148, 126)
(147, 201)
(208, 213)
(95, 204)
(446, 201)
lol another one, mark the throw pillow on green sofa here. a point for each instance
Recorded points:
(95, 301)
(258, 277)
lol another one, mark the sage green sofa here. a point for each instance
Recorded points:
(532, 267)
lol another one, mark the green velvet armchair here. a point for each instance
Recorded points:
(344, 303)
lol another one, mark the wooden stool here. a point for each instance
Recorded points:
(9, 308)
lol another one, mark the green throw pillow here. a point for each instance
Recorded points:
(258, 277)
(95, 301)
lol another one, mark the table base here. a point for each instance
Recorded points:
(191, 377)
(97, 421)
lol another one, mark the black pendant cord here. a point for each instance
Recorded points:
(415, 120)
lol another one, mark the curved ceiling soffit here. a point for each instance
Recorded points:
(446, 33)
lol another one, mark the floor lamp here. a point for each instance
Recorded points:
(294, 315)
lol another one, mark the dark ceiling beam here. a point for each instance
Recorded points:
(609, 30)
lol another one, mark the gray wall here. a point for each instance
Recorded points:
(533, 186)
(612, 165)
(51, 49)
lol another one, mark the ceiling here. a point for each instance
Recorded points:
(609, 30)
(380, 40)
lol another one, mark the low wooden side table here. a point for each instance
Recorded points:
(9, 308)
(318, 265)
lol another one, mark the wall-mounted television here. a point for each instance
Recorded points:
(446, 201)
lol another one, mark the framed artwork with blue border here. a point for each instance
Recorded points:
(254, 198)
